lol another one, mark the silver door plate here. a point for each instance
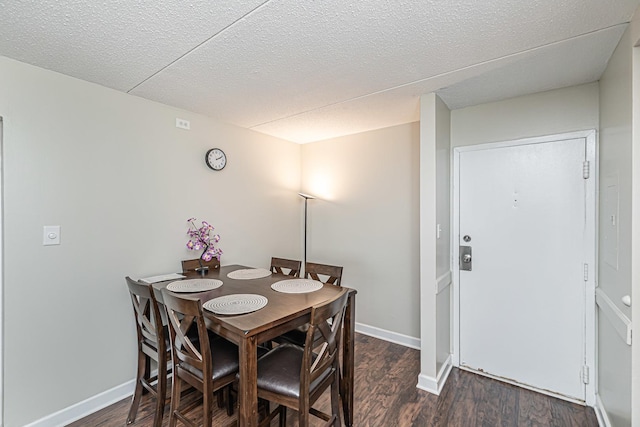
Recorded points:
(465, 258)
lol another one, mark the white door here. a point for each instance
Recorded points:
(523, 210)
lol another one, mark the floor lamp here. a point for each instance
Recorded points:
(306, 198)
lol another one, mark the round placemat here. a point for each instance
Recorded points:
(297, 286)
(249, 273)
(236, 304)
(194, 285)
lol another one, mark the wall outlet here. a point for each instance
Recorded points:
(183, 124)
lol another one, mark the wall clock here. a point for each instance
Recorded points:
(216, 159)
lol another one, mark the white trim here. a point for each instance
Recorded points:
(590, 244)
(587, 134)
(86, 407)
(383, 334)
(455, 256)
(591, 258)
(443, 282)
(601, 413)
(435, 385)
(614, 315)
(1, 274)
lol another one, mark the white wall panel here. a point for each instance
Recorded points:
(614, 269)
(366, 219)
(121, 180)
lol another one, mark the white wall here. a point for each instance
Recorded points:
(118, 177)
(443, 241)
(614, 270)
(435, 277)
(545, 113)
(635, 228)
(366, 219)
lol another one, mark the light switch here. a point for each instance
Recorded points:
(51, 235)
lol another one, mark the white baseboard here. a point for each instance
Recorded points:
(383, 334)
(601, 413)
(435, 385)
(86, 407)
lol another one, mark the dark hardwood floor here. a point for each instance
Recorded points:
(386, 396)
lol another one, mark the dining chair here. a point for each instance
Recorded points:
(208, 364)
(153, 344)
(295, 377)
(293, 266)
(324, 273)
(189, 265)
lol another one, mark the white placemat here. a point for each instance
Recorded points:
(297, 286)
(194, 285)
(249, 273)
(162, 278)
(236, 304)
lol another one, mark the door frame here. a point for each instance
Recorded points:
(590, 249)
(1, 273)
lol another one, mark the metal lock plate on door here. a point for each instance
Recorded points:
(465, 258)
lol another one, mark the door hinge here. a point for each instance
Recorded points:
(585, 169)
(585, 374)
(586, 271)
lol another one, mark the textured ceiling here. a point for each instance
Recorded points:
(311, 70)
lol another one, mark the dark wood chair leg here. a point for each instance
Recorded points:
(335, 399)
(228, 396)
(161, 396)
(175, 400)
(220, 397)
(137, 394)
(283, 416)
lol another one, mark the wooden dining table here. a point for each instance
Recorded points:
(283, 312)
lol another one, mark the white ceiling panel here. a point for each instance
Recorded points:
(571, 62)
(309, 70)
(115, 43)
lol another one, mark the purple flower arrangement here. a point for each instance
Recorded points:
(200, 238)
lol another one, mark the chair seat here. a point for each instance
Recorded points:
(296, 336)
(279, 371)
(224, 355)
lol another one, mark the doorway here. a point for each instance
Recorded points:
(524, 242)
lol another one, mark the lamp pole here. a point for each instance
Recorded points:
(306, 198)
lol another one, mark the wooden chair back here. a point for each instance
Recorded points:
(324, 273)
(323, 339)
(291, 267)
(192, 264)
(151, 336)
(152, 345)
(193, 359)
(320, 361)
(319, 367)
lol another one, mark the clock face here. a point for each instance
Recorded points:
(216, 159)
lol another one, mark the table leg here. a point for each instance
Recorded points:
(348, 368)
(247, 386)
